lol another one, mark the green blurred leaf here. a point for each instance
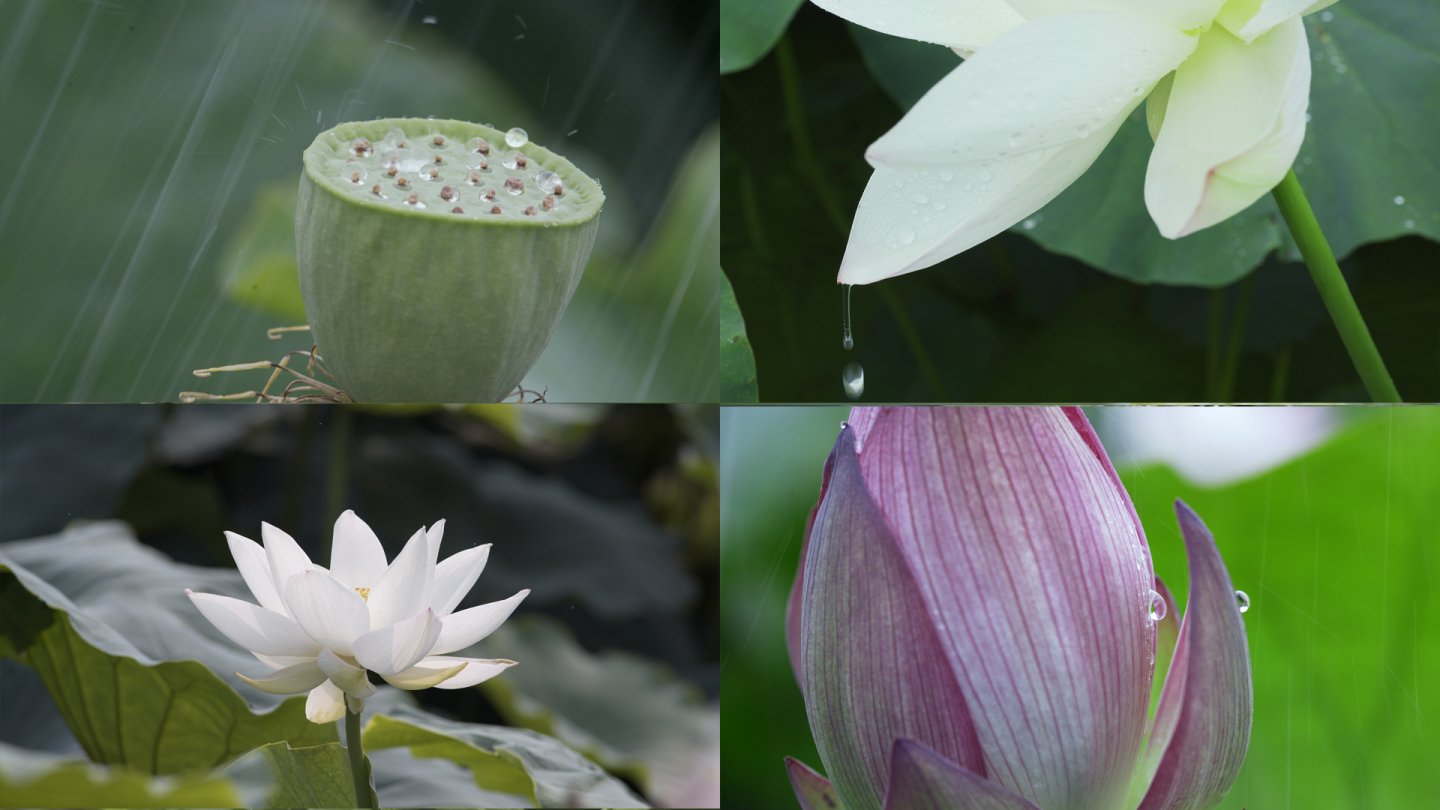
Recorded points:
(124, 707)
(259, 268)
(737, 362)
(502, 759)
(626, 713)
(314, 776)
(1369, 143)
(35, 779)
(750, 28)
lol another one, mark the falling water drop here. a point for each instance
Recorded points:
(1242, 600)
(517, 137)
(1157, 606)
(849, 341)
(854, 378)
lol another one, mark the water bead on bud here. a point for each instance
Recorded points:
(449, 194)
(355, 174)
(494, 209)
(474, 177)
(517, 137)
(478, 146)
(361, 148)
(548, 203)
(548, 182)
(514, 160)
(515, 186)
(530, 211)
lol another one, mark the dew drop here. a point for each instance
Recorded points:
(474, 177)
(1242, 601)
(478, 146)
(548, 203)
(983, 174)
(1399, 200)
(849, 341)
(449, 194)
(517, 137)
(853, 376)
(430, 173)
(361, 148)
(1157, 606)
(921, 199)
(514, 186)
(907, 236)
(395, 137)
(547, 181)
(356, 174)
(947, 175)
(514, 160)
(489, 194)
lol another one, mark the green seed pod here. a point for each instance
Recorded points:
(436, 257)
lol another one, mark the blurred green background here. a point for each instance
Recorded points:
(1083, 301)
(1332, 546)
(152, 154)
(608, 514)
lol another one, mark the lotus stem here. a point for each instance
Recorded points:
(1336, 294)
(363, 796)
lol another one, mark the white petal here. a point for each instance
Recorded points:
(476, 670)
(326, 704)
(1233, 125)
(404, 589)
(356, 556)
(1181, 15)
(253, 627)
(964, 24)
(350, 678)
(255, 568)
(1249, 19)
(286, 557)
(1042, 85)
(397, 647)
(433, 536)
(331, 612)
(910, 219)
(469, 626)
(455, 576)
(290, 680)
(429, 672)
(282, 661)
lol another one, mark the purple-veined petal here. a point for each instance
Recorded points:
(356, 556)
(286, 557)
(476, 670)
(792, 605)
(1249, 19)
(253, 627)
(964, 24)
(921, 779)
(290, 680)
(455, 576)
(1040, 86)
(397, 647)
(404, 589)
(1035, 574)
(460, 630)
(331, 612)
(1167, 633)
(431, 671)
(350, 678)
(326, 704)
(910, 219)
(1203, 721)
(1232, 124)
(813, 791)
(872, 668)
(255, 568)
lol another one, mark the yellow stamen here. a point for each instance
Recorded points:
(364, 593)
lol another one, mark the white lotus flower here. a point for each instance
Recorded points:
(1047, 86)
(321, 630)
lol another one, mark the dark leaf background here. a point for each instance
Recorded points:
(1083, 301)
(608, 515)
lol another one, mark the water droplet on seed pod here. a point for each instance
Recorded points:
(517, 137)
(548, 182)
(494, 209)
(361, 148)
(478, 145)
(514, 186)
(514, 160)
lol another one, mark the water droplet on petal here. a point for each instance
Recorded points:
(983, 174)
(1157, 606)
(1242, 601)
(517, 137)
(907, 236)
(853, 376)
(514, 186)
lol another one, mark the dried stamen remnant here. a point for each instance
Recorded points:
(457, 210)
(494, 209)
(361, 147)
(478, 145)
(515, 186)
(530, 211)
(548, 203)
(448, 194)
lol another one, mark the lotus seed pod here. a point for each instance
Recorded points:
(413, 298)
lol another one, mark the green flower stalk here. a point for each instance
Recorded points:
(436, 257)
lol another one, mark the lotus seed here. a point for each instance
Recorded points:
(529, 210)
(375, 189)
(479, 163)
(494, 209)
(361, 147)
(489, 193)
(402, 181)
(448, 193)
(439, 161)
(515, 186)
(414, 199)
(438, 141)
(357, 174)
(431, 173)
(392, 171)
(457, 210)
(514, 160)
(517, 137)
(478, 145)
(473, 177)
(548, 203)
(547, 181)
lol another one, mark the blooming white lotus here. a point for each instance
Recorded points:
(321, 630)
(1046, 84)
